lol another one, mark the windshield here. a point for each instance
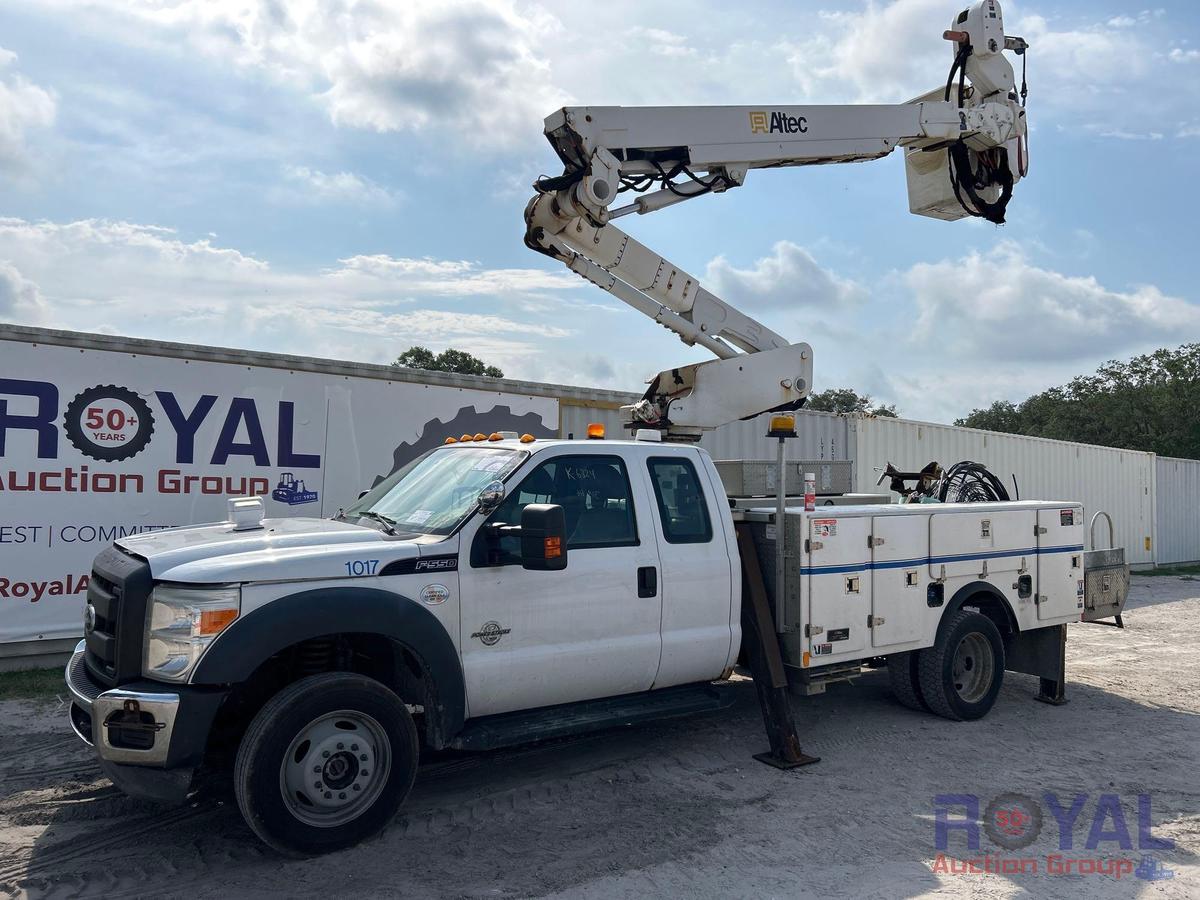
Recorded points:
(434, 493)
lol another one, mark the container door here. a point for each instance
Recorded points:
(1060, 562)
(899, 546)
(839, 583)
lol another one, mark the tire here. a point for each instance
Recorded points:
(906, 684)
(961, 675)
(337, 723)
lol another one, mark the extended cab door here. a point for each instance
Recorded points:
(696, 576)
(534, 638)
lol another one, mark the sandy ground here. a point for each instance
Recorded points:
(679, 807)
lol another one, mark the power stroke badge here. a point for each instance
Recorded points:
(490, 634)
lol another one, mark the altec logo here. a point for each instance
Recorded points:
(763, 122)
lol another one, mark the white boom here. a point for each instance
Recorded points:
(965, 150)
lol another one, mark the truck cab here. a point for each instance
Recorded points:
(491, 576)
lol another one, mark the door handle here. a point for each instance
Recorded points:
(647, 581)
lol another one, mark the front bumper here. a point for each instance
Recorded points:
(141, 727)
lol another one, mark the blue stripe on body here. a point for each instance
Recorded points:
(936, 560)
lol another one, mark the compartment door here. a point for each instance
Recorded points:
(900, 545)
(1060, 562)
(963, 543)
(839, 585)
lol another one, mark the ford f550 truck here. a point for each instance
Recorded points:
(500, 591)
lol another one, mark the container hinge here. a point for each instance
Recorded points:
(1038, 529)
(984, 573)
(873, 541)
(872, 621)
(813, 630)
(1040, 599)
(811, 545)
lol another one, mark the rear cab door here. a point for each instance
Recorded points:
(696, 577)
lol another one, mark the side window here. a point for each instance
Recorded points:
(681, 503)
(593, 491)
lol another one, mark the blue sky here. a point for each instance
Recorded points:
(346, 179)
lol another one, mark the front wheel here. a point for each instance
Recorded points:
(961, 675)
(326, 763)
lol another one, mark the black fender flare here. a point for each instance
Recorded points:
(252, 639)
(963, 595)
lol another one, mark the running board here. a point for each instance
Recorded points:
(509, 729)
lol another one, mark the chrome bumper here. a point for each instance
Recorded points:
(110, 720)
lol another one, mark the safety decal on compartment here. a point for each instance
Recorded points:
(1066, 517)
(824, 527)
(822, 649)
(838, 634)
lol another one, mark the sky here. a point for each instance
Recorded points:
(347, 178)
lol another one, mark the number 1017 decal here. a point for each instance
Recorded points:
(362, 566)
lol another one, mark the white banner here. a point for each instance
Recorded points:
(97, 444)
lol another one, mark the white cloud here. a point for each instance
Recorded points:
(475, 65)
(146, 281)
(24, 107)
(1002, 307)
(315, 186)
(20, 300)
(789, 278)
(1179, 55)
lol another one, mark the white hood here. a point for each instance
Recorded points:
(281, 550)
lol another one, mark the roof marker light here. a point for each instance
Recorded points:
(451, 440)
(527, 439)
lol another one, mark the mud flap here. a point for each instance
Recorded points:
(1042, 652)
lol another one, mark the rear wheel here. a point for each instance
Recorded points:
(960, 676)
(325, 763)
(906, 682)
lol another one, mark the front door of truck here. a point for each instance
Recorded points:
(532, 638)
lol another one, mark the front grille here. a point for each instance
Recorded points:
(118, 589)
(81, 679)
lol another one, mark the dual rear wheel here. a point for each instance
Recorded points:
(960, 676)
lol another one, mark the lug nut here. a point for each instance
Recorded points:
(328, 795)
(363, 757)
(354, 747)
(325, 753)
(342, 795)
(317, 769)
(357, 788)
(341, 746)
(365, 772)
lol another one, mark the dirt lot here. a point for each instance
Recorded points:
(680, 808)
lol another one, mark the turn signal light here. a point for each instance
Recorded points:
(596, 431)
(553, 547)
(527, 439)
(213, 621)
(805, 658)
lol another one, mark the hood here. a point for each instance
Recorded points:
(281, 550)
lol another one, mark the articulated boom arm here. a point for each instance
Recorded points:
(964, 148)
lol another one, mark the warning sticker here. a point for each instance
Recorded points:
(1066, 516)
(822, 649)
(824, 527)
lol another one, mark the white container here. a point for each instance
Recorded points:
(1177, 520)
(1121, 482)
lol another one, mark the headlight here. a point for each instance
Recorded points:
(181, 622)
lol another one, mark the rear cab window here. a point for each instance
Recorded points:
(682, 506)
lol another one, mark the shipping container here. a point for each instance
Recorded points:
(1120, 482)
(1177, 522)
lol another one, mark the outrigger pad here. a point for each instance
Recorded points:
(779, 763)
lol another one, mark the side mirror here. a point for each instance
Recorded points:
(543, 537)
(491, 496)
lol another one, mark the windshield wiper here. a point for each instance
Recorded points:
(389, 525)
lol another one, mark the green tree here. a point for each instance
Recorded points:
(450, 360)
(847, 400)
(1150, 402)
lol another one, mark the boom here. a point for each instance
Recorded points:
(964, 151)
